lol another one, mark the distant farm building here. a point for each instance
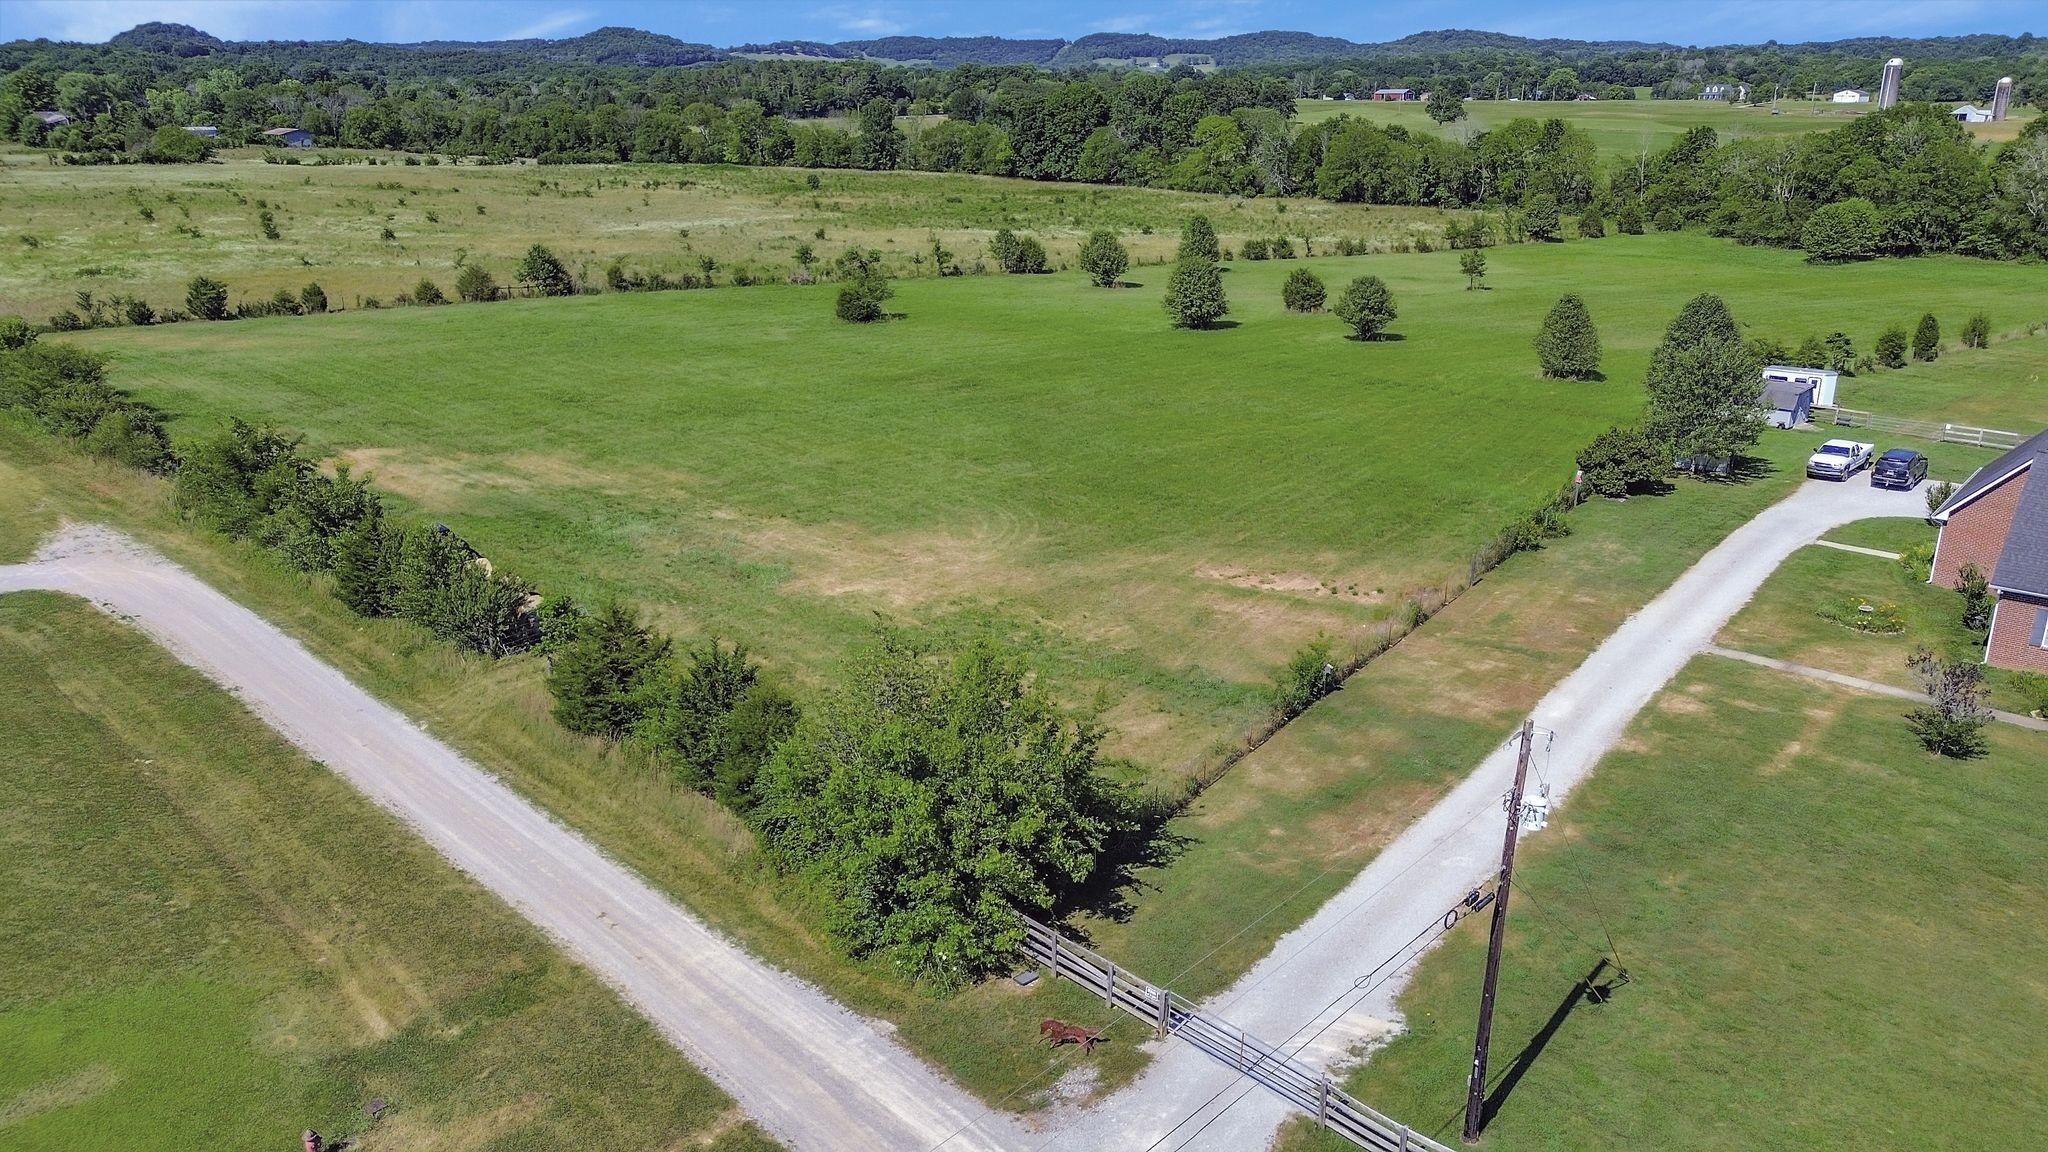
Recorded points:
(1822, 380)
(290, 137)
(206, 130)
(1851, 96)
(1787, 404)
(1385, 94)
(1715, 92)
(1998, 521)
(1971, 114)
(52, 119)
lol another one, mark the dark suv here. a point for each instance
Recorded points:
(1898, 468)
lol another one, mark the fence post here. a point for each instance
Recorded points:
(1323, 1103)
(1055, 954)
(1109, 993)
(1165, 1011)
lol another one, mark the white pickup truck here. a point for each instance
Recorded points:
(1839, 459)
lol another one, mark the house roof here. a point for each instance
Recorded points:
(2023, 562)
(281, 131)
(1783, 394)
(1988, 477)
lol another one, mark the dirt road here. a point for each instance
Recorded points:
(819, 1077)
(812, 1073)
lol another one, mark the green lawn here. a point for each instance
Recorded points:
(1835, 941)
(1784, 620)
(1621, 129)
(2004, 386)
(1163, 516)
(207, 941)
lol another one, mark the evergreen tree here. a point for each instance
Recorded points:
(206, 298)
(1705, 393)
(1841, 354)
(1568, 346)
(1811, 354)
(1194, 293)
(1977, 331)
(1003, 246)
(474, 284)
(1366, 307)
(600, 678)
(1303, 291)
(1891, 346)
(688, 706)
(1927, 338)
(546, 274)
(881, 142)
(1104, 259)
(1198, 239)
(313, 299)
(362, 559)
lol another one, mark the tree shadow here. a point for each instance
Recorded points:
(1148, 844)
(1219, 326)
(1382, 338)
(1587, 990)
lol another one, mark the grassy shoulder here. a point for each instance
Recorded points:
(1834, 941)
(208, 941)
(1785, 619)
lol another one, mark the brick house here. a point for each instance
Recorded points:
(1999, 522)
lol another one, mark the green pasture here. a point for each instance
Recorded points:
(1834, 941)
(2004, 386)
(1624, 129)
(207, 941)
(1162, 515)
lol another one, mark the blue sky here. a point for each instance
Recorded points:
(727, 22)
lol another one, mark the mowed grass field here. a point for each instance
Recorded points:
(1623, 129)
(207, 941)
(2004, 386)
(129, 229)
(1163, 516)
(1835, 941)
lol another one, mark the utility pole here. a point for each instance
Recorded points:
(1475, 1094)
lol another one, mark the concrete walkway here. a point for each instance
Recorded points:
(1858, 549)
(1859, 684)
(815, 1075)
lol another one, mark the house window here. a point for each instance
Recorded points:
(2040, 628)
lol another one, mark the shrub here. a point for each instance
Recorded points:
(1027, 257)
(1253, 249)
(2032, 688)
(1841, 353)
(1938, 494)
(1194, 293)
(1366, 307)
(1568, 346)
(1977, 331)
(1622, 460)
(138, 312)
(206, 298)
(1308, 677)
(1628, 220)
(1104, 258)
(1591, 225)
(1952, 723)
(1844, 230)
(712, 719)
(1977, 599)
(1302, 291)
(474, 284)
(1891, 346)
(1927, 338)
(313, 299)
(600, 679)
(15, 333)
(1003, 246)
(1280, 248)
(428, 293)
(1918, 561)
(865, 286)
(131, 434)
(1542, 220)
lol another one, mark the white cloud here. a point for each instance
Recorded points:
(868, 21)
(549, 25)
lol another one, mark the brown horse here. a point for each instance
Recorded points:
(1060, 1032)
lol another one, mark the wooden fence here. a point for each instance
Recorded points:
(1169, 1014)
(1927, 429)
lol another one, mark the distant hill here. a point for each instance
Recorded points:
(630, 47)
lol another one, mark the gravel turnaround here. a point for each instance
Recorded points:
(820, 1077)
(815, 1075)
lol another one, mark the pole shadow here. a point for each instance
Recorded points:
(1587, 989)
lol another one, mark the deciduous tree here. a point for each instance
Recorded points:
(1704, 385)
(1302, 291)
(1568, 346)
(1367, 307)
